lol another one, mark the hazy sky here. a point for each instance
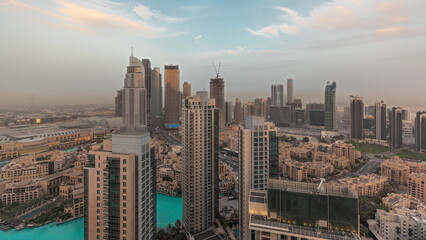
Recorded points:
(65, 52)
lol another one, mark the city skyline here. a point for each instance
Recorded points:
(257, 44)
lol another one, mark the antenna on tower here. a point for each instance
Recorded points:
(217, 70)
(131, 51)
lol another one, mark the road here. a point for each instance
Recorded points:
(370, 167)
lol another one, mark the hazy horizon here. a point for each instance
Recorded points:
(69, 53)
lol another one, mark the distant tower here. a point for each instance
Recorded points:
(228, 112)
(420, 130)
(134, 95)
(396, 127)
(186, 90)
(119, 178)
(203, 94)
(357, 117)
(148, 83)
(156, 92)
(217, 91)
(238, 112)
(172, 96)
(277, 94)
(380, 118)
(330, 106)
(200, 164)
(256, 164)
(290, 90)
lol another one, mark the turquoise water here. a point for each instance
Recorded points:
(169, 209)
(68, 231)
(71, 149)
(4, 162)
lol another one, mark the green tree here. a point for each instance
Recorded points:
(305, 139)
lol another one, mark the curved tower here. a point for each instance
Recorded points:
(134, 95)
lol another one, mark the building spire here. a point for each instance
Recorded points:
(131, 51)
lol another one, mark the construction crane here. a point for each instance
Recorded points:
(320, 189)
(216, 70)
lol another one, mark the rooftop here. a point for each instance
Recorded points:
(39, 131)
(261, 223)
(210, 234)
(312, 188)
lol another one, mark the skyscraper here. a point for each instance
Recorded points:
(258, 152)
(330, 106)
(357, 117)
(380, 118)
(396, 127)
(277, 94)
(156, 92)
(238, 112)
(187, 90)
(290, 90)
(217, 91)
(134, 95)
(203, 94)
(120, 178)
(228, 112)
(119, 103)
(171, 93)
(148, 83)
(200, 151)
(420, 128)
(260, 107)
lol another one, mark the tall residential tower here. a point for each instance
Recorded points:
(200, 173)
(290, 90)
(258, 152)
(357, 117)
(420, 128)
(120, 178)
(330, 106)
(217, 92)
(172, 95)
(380, 118)
(396, 127)
(134, 95)
(277, 95)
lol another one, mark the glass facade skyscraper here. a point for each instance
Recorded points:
(330, 106)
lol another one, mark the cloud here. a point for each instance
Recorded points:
(219, 53)
(95, 20)
(197, 38)
(348, 17)
(147, 13)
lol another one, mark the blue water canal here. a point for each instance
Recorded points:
(169, 209)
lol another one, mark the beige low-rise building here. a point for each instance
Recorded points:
(347, 151)
(74, 195)
(400, 201)
(21, 192)
(170, 188)
(295, 170)
(369, 185)
(18, 173)
(319, 169)
(402, 224)
(301, 171)
(417, 186)
(398, 170)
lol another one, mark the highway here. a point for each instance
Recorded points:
(370, 167)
